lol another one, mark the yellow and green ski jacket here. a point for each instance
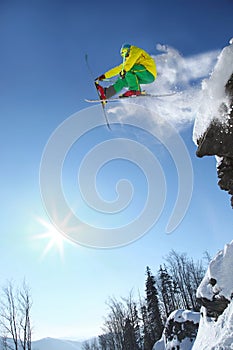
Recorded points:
(136, 56)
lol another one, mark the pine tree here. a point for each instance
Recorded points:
(167, 290)
(130, 342)
(137, 328)
(146, 331)
(155, 325)
(103, 342)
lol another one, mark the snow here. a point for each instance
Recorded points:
(186, 344)
(220, 268)
(185, 315)
(180, 316)
(217, 335)
(213, 92)
(214, 335)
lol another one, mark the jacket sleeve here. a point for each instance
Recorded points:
(114, 71)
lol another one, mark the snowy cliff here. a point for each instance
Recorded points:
(213, 129)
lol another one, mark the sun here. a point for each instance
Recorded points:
(54, 237)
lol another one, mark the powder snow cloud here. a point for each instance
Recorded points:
(175, 73)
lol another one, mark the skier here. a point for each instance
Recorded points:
(138, 67)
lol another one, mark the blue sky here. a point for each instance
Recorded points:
(43, 81)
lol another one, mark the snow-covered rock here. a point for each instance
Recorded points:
(216, 289)
(216, 335)
(220, 271)
(217, 285)
(214, 94)
(186, 330)
(213, 128)
(180, 331)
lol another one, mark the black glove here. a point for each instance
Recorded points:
(101, 77)
(122, 74)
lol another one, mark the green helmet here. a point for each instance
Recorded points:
(125, 50)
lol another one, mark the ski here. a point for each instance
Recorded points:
(103, 103)
(130, 97)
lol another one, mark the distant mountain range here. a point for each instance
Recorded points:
(56, 344)
(52, 344)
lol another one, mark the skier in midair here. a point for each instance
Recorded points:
(138, 67)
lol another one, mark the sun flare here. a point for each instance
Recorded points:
(54, 237)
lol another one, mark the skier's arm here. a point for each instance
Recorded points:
(114, 71)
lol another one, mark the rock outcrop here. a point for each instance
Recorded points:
(215, 119)
(218, 141)
(215, 294)
(180, 331)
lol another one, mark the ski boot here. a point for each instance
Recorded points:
(105, 93)
(131, 93)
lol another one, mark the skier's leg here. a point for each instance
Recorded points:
(106, 93)
(130, 80)
(120, 84)
(143, 75)
(110, 91)
(115, 88)
(133, 78)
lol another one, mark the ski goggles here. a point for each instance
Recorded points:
(124, 52)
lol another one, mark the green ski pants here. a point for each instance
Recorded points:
(133, 78)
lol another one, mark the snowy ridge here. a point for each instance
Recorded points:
(213, 92)
(56, 344)
(50, 344)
